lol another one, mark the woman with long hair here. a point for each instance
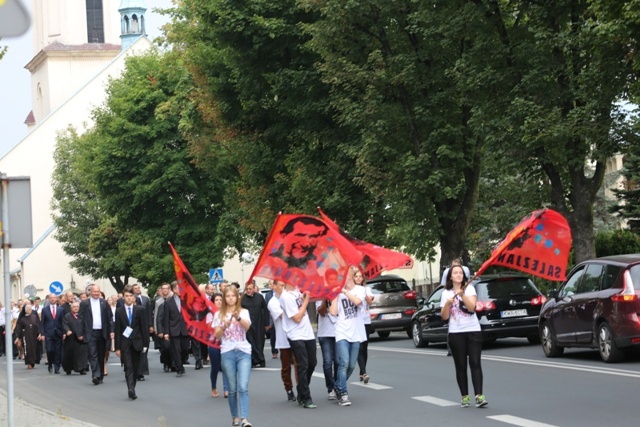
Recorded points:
(465, 337)
(215, 356)
(231, 323)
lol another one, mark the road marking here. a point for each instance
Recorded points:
(517, 421)
(435, 401)
(371, 385)
(531, 362)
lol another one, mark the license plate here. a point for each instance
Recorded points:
(513, 313)
(390, 316)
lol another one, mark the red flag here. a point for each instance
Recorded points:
(538, 245)
(374, 258)
(194, 305)
(303, 251)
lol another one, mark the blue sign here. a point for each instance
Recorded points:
(56, 288)
(216, 276)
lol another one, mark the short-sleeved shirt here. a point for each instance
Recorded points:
(350, 325)
(326, 323)
(276, 314)
(291, 301)
(460, 321)
(234, 337)
(366, 313)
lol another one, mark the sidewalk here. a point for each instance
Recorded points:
(28, 415)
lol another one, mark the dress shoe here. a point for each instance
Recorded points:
(95, 380)
(132, 395)
(167, 368)
(83, 372)
(140, 378)
(198, 365)
(57, 371)
(50, 368)
(67, 372)
(179, 374)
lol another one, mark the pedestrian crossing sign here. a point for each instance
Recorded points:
(215, 275)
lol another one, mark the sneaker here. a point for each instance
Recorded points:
(310, 405)
(481, 402)
(365, 379)
(344, 400)
(465, 401)
(332, 395)
(290, 396)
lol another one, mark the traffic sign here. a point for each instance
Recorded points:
(30, 290)
(56, 288)
(216, 275)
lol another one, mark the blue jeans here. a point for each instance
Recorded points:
(347, 353)
(216, 366)
(329, 361)
(236, 365)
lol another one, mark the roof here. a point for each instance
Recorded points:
(58, 47)
(622, 259)
(30, 120)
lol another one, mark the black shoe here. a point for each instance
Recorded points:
(50, 368)
(179, 374)
(198, 365)
(166, 368)
(186, 362)
(68, 372)
(57, 371)
(140, 378)
(132, 395)
(95, 380)
(290, 396)
(83, 372)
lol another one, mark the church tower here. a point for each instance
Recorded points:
(73, 40)
(131, 21)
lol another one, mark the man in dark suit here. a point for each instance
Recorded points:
(52, 331)
(97, 327)
(144, 302)
(175, 330)
(131, 330)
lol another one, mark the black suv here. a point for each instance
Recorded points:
(393, 305)
(508, 305)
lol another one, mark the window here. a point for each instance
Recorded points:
(434, 300)
(610, 276)
(591, 280)
(571, 286)
(95, 22)
(378, 288)
(506, 288)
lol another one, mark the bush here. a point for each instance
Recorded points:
(617, 242)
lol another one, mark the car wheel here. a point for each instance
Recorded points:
(533, 339)
(549, 346)
(609, 351)
(384, 334)
(416, 336)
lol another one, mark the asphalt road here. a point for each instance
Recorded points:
(408, 386)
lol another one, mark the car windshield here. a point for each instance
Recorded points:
(387, 286)
(505, 288)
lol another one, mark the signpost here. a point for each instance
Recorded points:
(56, 288)
(216, 275)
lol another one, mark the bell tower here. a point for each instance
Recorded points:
(132, 21)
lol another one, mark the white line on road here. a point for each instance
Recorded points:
(371, 385)
(517, 421)
(435, 401)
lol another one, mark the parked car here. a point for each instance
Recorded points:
(393, 305)
(508, 305)
(596, 307)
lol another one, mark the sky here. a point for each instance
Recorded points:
(15, 80)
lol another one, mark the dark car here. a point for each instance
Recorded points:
(507, 305)
(596, 307)
(393, 305)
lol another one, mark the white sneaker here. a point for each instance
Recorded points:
(332, 395)
(344, 400)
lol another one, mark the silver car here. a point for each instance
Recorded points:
(394, 303)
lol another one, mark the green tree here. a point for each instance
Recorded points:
(628, 206)
(617, 242)
(86, 232)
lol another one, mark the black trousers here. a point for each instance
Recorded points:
(467, 346)
(305, 354)
(179, 350)
(2, 340)
(256, 338)
(130, 358)
(97, 348)
(54, 351)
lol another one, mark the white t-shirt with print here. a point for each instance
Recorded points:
(459, 321)
(350, 325)
(366, 313)
(291, 301)
(275, 310)
(326, 324)
(234, 337)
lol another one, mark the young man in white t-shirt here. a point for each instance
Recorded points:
(350, 333)
(282, 343)
(297, 326)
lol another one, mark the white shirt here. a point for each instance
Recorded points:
(291, 301)
(326, 324)
(276, 312)
(234, 337)
(364, 308)
(96, 313)
(459, 321)
(3, 321)
(350, 326)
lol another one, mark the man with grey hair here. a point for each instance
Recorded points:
(97, 327)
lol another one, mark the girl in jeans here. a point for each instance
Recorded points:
(231, 323)
(465, 337)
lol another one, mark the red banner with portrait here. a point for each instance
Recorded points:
(303, 251)
(374, 259)
(194, 304)
(538, 245)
